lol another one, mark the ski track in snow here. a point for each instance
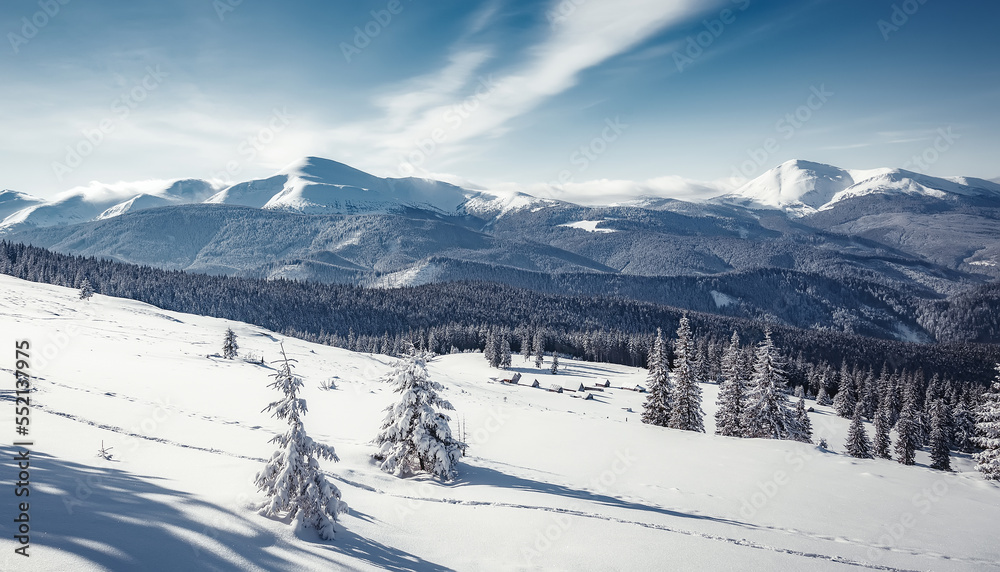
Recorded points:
(582, 514)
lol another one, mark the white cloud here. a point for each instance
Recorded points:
(605, 191)
(462, 101)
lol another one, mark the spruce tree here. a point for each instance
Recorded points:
(291, 480)
(539, 349)
(504, 352)
(731, 393)
(415, 436)
(555, 364)
(906, 430)
(988, 432)
(939, 441)
(229, 345)
(858, 445)
(492, 351)
(656, 410)
(526, 344)
(964, 423)
(803, 426)
(86, 290)
(685, 413)
(766, 414)
(882, 445)
(846, 399)
(823, 398)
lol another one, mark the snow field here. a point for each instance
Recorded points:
(550, 482)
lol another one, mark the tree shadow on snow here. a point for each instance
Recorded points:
(473, 475)
(122, 521)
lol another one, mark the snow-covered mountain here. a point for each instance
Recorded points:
(97, 201)
(320, 186)
(801, 188)
(13, 201)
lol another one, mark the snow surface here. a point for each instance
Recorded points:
(551, 481)
(588, 225)
(722, 300)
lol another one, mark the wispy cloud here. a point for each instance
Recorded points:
(439, 113)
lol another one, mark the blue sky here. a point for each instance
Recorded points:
(574, 97)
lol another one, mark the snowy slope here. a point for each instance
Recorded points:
(802, 187)
(551, 482)
(13, 201)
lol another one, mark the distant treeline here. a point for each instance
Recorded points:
(460, 314)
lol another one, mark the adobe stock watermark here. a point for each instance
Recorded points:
(453, 118)
(584, 156)
(562, 11)
(695, 45)
(223, 7)
(943, 141)
(785, 128)
(250, 147)
(32, 25)
(364, 35)
(899, 17)
(121, 108)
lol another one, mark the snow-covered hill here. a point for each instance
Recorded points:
(13, 201)
(802, 187)
(98, 201)
(551, 481)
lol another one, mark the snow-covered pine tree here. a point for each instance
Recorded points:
(686, 413)
(766, 414)
(555, 364)
(823, 398)
(988, 432)
(505, 351)
(526, 344)
(656, 410)
(882, 444)
(492, 351)
(846, 398)
(858, 445)
(229, 345)
(539, 345)
(731, 392)
(86, 290)
(803, 426)
(415, 436)
(906, 430)
(964, 422)
(939, 441)
(291, 480)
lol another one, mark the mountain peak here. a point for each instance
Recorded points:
(795, 186)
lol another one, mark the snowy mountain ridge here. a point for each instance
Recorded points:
(801, 188)
(314, 185)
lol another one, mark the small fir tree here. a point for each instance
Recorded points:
(988, 432)
(505, 355)
(415, 436)
(803, 426)
(291, 480)
(766, 414)
(555, 364)
(939, 441)
(858, 445)
(86, 290)
(685, 412)
(539, 345)
(656, 410)
(882, 444)
(731, 392)
(229, 345)
(906, 434)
